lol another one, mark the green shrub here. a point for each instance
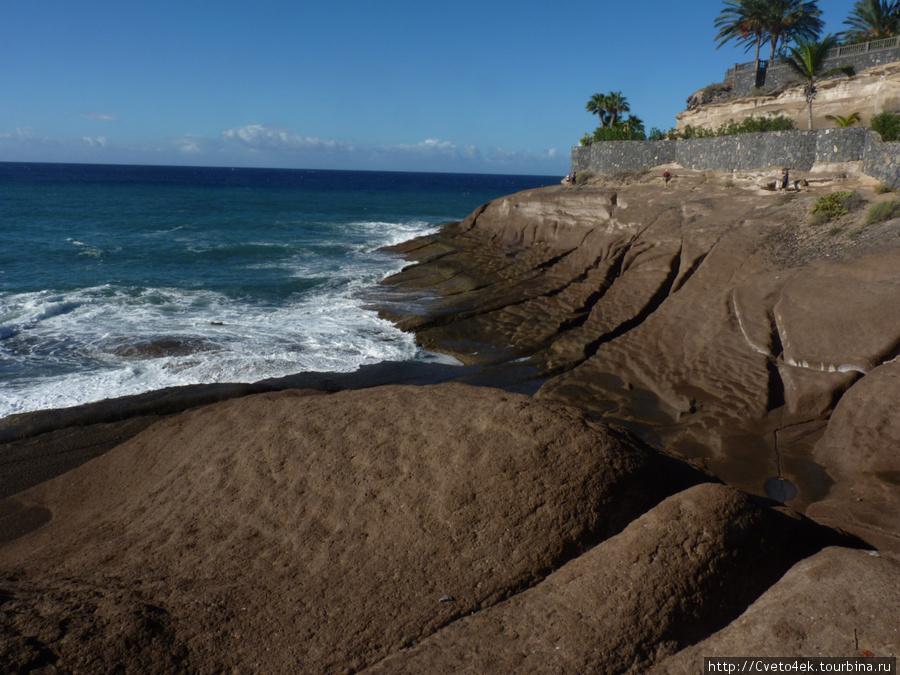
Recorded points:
(887, 124)
(755, 125)
(853, 233)
(717, 88)
(833, 206)
(818, 219)
(750, 125)
(656, 134)
(695, 132)
(617, 133)
(881, 188)
(834, 231)
(582, 176)
(883, 211)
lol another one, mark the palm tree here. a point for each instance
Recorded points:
(807, 59)
(634, 124)
(616, 105)
(787, 20)
(873, 19)
(848, 121)
(597, 106)
(744, 21)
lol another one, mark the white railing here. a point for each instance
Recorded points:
(845, 50)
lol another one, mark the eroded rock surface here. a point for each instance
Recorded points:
(709, 318)
(320, 531)
(870, 92)
(676, 574)
(839, 603)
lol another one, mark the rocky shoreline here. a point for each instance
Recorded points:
(689, 449)
(710, 319)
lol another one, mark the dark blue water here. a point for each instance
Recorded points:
(121, 279)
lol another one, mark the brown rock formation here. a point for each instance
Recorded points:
(709, 318)
(453, 528)
(836, 603)
(321, 531)
(680, 571)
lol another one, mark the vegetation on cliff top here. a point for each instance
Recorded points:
(778, 23)
(872, 20)
(613, 127)
(807, 60)
(752, 22)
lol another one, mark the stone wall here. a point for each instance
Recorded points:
(798, 150)
(882, 160)
(617, 156)
(841, 145)
(744, 77)
(778, 74)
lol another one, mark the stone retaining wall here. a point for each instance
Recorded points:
(745, 77)
(616, 156)
(778, 75)
(798, 150)
(882, 160)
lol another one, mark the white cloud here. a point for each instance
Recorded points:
(20, 134)
(98, 116)
(432, 147)
(275, 146)
(268, 137)
(193, 144)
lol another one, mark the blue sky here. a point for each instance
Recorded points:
(457, 86)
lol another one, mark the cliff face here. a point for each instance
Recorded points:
(711, 320)
(870, 92)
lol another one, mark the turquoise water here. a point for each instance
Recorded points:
(117, 280)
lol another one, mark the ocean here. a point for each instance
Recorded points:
(117, 280)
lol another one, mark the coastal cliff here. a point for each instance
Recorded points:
(707, 467)
(708, 318)
(869, 93)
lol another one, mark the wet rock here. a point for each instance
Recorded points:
(162, 347)
(709, 319)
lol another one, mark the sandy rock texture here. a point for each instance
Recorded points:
(836, 603)
(320, 531)
(870, 92)
(709, 318)
(443, 528)
(679, 572)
